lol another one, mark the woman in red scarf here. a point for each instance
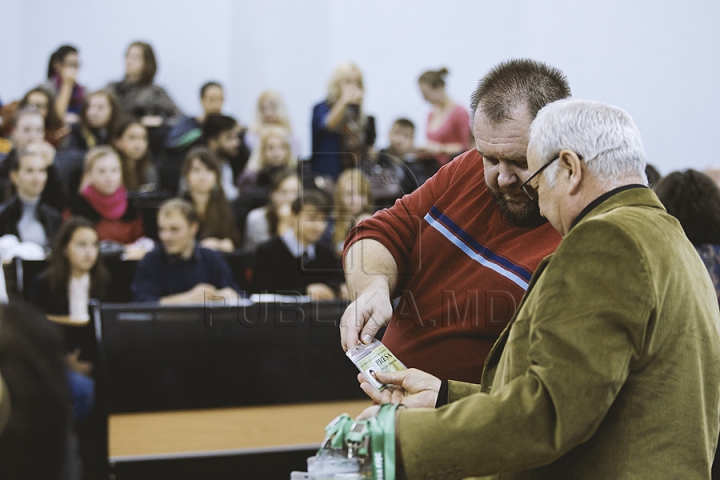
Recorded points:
(103, 198)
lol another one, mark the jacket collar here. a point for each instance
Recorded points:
(625, 196)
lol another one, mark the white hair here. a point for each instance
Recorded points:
(605, 136)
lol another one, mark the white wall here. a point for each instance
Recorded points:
(657, 59)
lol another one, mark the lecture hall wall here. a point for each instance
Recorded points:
(659, 60)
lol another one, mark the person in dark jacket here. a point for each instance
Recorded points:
(25, 215)
(295, 263)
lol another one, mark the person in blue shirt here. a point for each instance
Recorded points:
(178, 270)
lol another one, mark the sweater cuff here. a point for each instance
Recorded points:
(442, 398)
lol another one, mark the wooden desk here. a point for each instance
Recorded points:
(226, 431)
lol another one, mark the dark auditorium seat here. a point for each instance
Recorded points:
(166, 358)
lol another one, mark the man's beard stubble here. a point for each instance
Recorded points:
(528, 216)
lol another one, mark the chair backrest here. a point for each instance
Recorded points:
(163, 358)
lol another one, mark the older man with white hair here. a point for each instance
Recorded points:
(611, 367)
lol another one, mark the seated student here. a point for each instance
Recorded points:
(62, 73)
(389, 176)
(29, 128)
(25, 215)
(353, 203)
(272, 155)
(274, 218)
(103, 198)
(294, 261)
(201, 171)
(224, 137)
(188, 131)
(98, 118)
(178, 270)
(271, 112)
(76, 272)
(42, 99)
(130, 139)
(137, 94)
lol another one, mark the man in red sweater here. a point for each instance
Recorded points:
(460, 250)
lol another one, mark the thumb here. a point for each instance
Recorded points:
(392, 378)
(371, 328)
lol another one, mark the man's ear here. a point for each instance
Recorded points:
(194, 226)
(13, 177)
(571, 166)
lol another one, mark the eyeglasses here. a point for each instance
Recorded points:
(530, 189)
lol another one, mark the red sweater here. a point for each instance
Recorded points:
(463, 267)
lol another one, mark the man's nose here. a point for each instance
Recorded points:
(507, 176)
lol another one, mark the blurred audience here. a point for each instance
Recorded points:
(694, 199)
(29, 130)
(188, 130)
(295, 263)
(353, 203)
(76, 272)
(139, 97)
(341, 132)
(62, 73)
(271, 112)
(25, 215)
(275, 218)
(42, 100)
(130, 139)
(99, 116)
(224, 137)
(179, 270)
(272, 154)
(103, 198)
(448, 124)
(202, 173)
(388, 172)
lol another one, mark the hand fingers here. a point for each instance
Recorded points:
(350, 325)
(392, 378)
(375, 394)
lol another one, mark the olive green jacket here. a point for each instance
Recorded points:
(609, 370)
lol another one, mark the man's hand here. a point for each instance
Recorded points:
(200, 292)
(365, 317)
(413, 388)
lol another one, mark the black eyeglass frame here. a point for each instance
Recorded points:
(529, 188)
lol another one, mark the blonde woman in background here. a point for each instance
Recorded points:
(341, 132)
(270, 112)
(272, 154)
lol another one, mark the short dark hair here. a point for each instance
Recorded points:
(216, 123)
(404, 122)
(58, 56)
(694, 199)
(150, 67)
(181, 205)
(434, 78)
(518, 82)
(311, 198)
(652, 175)
(204, 88)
